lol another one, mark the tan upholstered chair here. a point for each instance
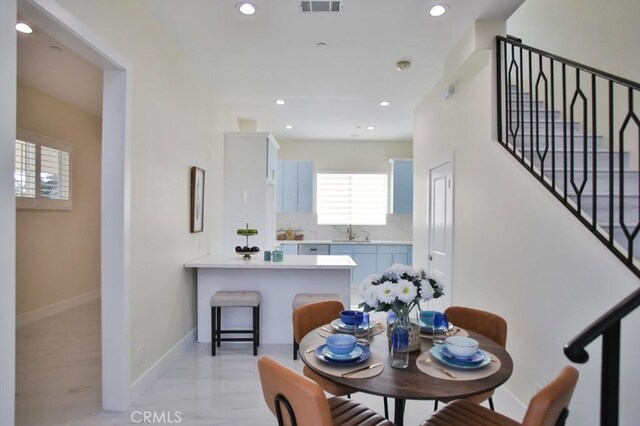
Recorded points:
(548, 407)
(295, 399)
(486, 323)
(302, 299)
(309, 317)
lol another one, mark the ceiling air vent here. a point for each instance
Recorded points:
(320, 6)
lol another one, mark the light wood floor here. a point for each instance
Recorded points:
(59, 380)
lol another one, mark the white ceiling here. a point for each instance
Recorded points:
(330, 94)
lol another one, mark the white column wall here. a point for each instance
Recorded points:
(7, 211)
(518, 252)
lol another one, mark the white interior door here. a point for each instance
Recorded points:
(440, 230)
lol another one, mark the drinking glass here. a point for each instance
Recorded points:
(440, 323)
(363, 331)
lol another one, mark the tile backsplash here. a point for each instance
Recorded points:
(399, 227)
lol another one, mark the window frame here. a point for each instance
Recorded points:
(40, 202)
(352, 172)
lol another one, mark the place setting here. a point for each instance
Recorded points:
(352, 322)
(342, 356)
(459, 358)
(443, 328)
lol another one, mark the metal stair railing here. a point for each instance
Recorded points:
(593, 180)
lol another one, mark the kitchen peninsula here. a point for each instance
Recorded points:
(278, 282)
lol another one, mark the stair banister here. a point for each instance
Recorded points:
(607, 326)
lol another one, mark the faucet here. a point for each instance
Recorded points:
(352, 235)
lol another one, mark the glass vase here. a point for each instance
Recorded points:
(400, 340)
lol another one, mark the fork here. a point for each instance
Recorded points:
(437, 367)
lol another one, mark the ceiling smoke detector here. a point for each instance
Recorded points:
(320, 6)
(403, 65)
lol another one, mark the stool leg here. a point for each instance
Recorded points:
(491, 403)
(258, 326)
(296, 347)
(218, 324)
(256, 321)
(386, 408)
(213, 331)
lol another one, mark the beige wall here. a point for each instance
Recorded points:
(175, 123)
(58, 251)
(346, 155)
(517, 251)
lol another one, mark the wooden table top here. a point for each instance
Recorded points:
(411, 383)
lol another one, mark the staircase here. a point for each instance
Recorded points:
(590, 171)
(540, 142)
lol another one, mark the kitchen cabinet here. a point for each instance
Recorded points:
(289, 248)
(313, 249)
(249, 196)
(363, 254)
(388, 255)
(401, 186)
(294, 186)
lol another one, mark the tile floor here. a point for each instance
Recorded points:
(59, 374)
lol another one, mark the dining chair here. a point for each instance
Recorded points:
(548, 407)
(297, 400)
(486, 323)
(309, 317)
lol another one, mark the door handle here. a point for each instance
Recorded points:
(430, 258)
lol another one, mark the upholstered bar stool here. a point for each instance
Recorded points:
(301, 299)
(235, 299)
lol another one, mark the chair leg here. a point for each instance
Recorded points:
(213, 331)
(435, 405)
(296, 347)
(386, 408)
(256, 321)
(491, 403)
(258, 338)
(218, 324)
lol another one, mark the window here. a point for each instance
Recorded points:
(352, 198)
(42, 172)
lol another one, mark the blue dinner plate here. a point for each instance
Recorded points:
(436, 352)
(338, 325)
(476, 358)
(354, 354)
(424, 328)
(321, 350)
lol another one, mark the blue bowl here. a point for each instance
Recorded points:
(341, 344)
(352, 318)
(427, 317)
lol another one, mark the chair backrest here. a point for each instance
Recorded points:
(486, 323)
(303, 395)
(549, 407)
(313, 315)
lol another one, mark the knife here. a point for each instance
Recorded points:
(377, 364)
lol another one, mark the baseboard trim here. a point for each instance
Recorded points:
(56, 308)
(154, 372)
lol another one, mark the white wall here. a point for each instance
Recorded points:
(351, 155)
(175, 124)
(7, 210)
(517, 252)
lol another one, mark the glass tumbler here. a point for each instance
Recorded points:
(440, 326)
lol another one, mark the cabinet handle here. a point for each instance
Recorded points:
(313, 249)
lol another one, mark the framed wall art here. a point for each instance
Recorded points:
(197, 199)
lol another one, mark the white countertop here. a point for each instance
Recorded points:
(290, 261)
(334, 242)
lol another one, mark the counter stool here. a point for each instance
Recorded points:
(235, 299)
(306, 298)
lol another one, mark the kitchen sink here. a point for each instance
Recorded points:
(351, 241)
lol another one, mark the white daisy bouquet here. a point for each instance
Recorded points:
(399, 289)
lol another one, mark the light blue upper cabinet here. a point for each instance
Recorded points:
(402, 186)
(294, 186)
(305, 186)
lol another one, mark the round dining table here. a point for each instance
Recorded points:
(411, 383)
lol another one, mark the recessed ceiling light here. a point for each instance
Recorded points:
(280, 101)
(247, 8)
(288, 127)
(371, 128)
(438, 10)
(385, 103)
(24, 28)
